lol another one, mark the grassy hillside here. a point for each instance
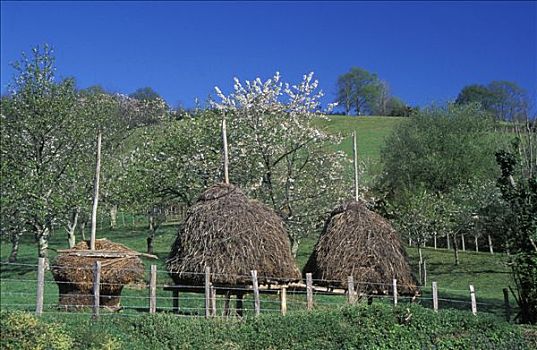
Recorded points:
(371, 133)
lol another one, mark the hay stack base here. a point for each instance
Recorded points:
(73, 272)
(358, 242)
(231, 234)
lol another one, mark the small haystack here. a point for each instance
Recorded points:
(358, 242)
(231, 234)
(73, 272)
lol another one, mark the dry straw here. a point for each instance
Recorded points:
(231, 234)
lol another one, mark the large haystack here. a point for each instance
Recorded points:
(74, 274)
(231, 234)
(356, 241)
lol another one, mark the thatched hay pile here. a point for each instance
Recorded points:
(356, 241)
(74, 275)
(231, 234)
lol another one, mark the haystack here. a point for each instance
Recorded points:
(231, 234)
(74, 273)
(358, 242)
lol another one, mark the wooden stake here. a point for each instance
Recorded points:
(394, 291)
(490, 244)
(207, 292)
(255, 286)
(424, 272)
(355, 158)
(153, 290)
(40, 286)
(96, 289)
(472, 298)
(283, 301)
(435, 297)
(350, 290)
(434, 238)
(309, 291)
(507, 305)
(476, 244)
(95, 193)
(226, 159)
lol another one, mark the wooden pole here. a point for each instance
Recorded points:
(476, 244)
(424, 272)
(96, 193)
(463, 243)
(435, 297)
(434, 238)
(96, 289)
(309, 291)
(420, 263)
(255, 286)
(394, 291)
(350, 290)
(355, 158)
(283, 301)
(153, 290)
(207, 292)
(490, 244)
(507, 305)
(472, 298)
(226, 158)
(40, 286)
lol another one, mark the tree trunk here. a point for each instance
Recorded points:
(448, 242)
(82, 227)
(490, 244)
(463, 243)
(295, 242)
(151, 235)
(15, 239)
(476, 244)
(420, 253)
(71, 227)
(42, 235)
(434, 239)
(95, 193)
(113, 216)
(456, 249)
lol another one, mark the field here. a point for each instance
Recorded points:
(488, 273)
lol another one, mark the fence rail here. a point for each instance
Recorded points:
(158, 293)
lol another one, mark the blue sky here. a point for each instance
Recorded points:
(427, 51)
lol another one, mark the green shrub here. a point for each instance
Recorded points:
(21, 330)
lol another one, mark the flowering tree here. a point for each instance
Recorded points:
(41, 143)
(278, 155)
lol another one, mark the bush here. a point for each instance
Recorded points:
(21, 330)
(377, 326)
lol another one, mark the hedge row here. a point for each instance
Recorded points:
(359, 327)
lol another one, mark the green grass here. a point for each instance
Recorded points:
(488, 273)
(371, 133)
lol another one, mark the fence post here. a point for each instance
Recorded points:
(425, 272)
(350, 289)
(153, 290)
(420, 273)
(394, 291)
(309, 291)
(40, 286)
(435, 297)
(472, 297)
(257, 305)
(283, 301)
(207, 292)
(96, 289)
(507, 305)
